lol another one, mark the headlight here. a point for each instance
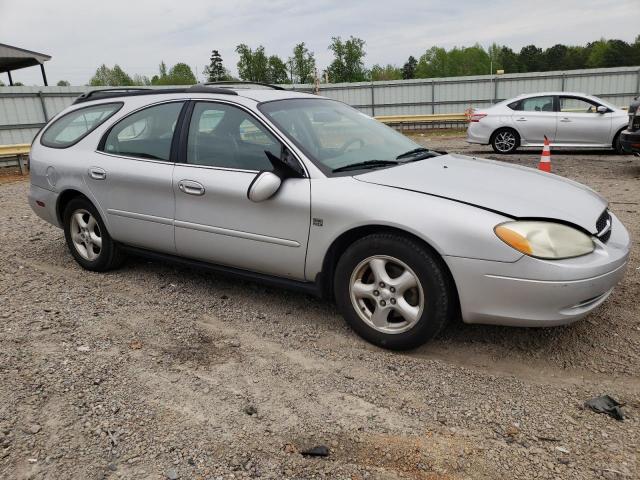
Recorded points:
(545, 239)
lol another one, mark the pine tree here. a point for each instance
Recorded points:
(215, 71)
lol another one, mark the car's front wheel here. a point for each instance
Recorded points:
(87, 237)
(505, 140)
(393, 291)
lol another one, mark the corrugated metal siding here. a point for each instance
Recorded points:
(23, 106)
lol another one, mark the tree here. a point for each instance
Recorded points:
(409, 68)
(63, 83)
(303, 64)
(531, 59)
(113, 77)
(141, 80)
(215, 71)
(433, 63)
(348, 64)
(1, 83)
(277, 71)
(253, 66)
(179, 74)
(388, 72)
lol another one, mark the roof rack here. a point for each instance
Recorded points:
(129, 92)
(230, 84)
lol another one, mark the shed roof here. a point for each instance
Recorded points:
(14, 58)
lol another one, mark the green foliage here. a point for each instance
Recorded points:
(18, 84)
(63, 83)
(348, 64)
(179, 74)
(1, 83)
(215, 71)
(409, 68)
(111, 77)
(255, 66)
(302, 64)
(388, 72)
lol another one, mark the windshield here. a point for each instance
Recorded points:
(335, 135)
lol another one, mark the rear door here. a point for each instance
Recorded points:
(131, 174)
(214, 219)
(580, 123)
(535, 117)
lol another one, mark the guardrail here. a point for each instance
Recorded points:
(438, 120)
(15, 154)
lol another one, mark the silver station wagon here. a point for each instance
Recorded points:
(309, 193)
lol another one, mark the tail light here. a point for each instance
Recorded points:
(476, 117)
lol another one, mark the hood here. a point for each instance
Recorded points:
(516, 191)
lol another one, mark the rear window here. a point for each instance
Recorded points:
(74, 126)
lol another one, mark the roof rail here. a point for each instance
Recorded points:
(129, 92)
(230, 84)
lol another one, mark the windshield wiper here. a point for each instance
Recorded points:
(410, 153)
(366, 165)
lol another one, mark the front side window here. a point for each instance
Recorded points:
(577, 105)
(72, 127)
(536, 104)
(147, 133)
(335, 135)
(221, 135)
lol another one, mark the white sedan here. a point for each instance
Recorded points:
(567, 119)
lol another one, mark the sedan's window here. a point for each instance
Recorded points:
(577, 105)
(74, 126)
(145, 134)
(536, 104)
(336, 135)
(221, 135)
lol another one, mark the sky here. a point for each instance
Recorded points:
(80, 35)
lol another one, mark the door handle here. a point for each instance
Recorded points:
(565, 119)
(190, 187)
(97, 173)
(521, 119)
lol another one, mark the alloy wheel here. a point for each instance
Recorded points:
(505, 141)
(387, 294)
(86, 235)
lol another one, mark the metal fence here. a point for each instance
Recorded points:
(23, 110)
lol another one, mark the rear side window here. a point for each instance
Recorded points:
(535, 104)
(147, 133)
(74, 126)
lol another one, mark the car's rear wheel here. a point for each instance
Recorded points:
(505, 140)
(393, 291)
(87, 237)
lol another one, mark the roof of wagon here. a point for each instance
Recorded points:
(256, 94)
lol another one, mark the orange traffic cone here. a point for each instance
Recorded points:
(545, 158)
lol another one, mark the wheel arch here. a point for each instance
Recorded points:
(63, 200)
(348, 237)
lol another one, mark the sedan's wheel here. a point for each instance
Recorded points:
(87, 237)
(387, 294)
(393, 291)
(505, 141)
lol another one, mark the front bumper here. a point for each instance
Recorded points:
(539, 293)
(43, 202)
(630, 141)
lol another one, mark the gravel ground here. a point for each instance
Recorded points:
(164, 372)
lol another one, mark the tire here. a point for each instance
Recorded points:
(374, 310)
(617, 144)
(87, 237)
(505, 140)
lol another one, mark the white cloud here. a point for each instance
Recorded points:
(81, 35)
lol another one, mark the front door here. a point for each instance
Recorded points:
(534, 118)
(580, 123)
(131, 177)
(214, 219)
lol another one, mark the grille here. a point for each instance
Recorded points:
(603, 226)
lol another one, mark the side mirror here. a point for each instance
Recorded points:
(602, 109)
(263, 187)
